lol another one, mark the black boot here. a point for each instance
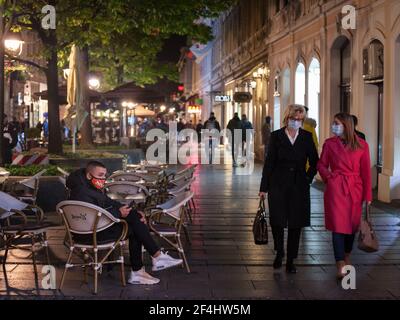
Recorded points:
(290, 267)
(278, 261)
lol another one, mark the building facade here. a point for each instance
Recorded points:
(331, 55)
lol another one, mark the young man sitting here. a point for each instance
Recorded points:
(87, 185)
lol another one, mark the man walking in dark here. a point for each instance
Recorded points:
(235, 124)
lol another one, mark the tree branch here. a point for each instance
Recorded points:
(28, 62)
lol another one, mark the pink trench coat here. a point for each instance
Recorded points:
(347, 175)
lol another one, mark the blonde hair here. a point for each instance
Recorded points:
(291, 111)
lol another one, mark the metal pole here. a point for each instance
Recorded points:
(2, 76)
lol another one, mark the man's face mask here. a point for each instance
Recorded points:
(98, 183)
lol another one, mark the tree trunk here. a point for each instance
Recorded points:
(55, 145)
(120, 75)
(86, 129)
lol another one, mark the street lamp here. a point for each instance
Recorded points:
(94, 83)
(12, 43)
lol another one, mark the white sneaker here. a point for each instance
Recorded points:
(142, 277)
(165, 261)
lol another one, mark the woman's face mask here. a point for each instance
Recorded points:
(295, 124)
(337, 129)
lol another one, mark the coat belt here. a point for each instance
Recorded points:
(348, 183)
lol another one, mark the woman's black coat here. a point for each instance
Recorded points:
(286, 180)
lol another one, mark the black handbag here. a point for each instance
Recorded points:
(260, 225)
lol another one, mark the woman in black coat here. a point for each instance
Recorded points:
(287, 183)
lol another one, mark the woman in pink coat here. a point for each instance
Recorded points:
(346, 169)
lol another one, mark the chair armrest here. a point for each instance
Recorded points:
(38, 212)
(18, 213)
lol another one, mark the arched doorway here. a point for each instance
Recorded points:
(300, 84)
(314, 84)
(284, 96)
(340, 76)
(373, 104)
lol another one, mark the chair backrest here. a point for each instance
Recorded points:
(125, 176)
(125, 188)
(152, 169)
(32, 182)
(184, 185)
(84, 218)
(8, 202)
(173, 206)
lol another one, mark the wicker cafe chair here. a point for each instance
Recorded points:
(26, 189)
(184, 186)
(126, 191)
(18, 221)
(126, 176)
(167, 221)
(81, 218)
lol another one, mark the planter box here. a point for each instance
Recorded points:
(112, 164)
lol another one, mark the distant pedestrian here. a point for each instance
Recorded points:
(7, 142)
(358, 133)
(345, 167)
(180, 125)
(199, 127)
(287, 183)
(233, 125)
(212, 125)
(310, 125)
(247, 133)
(266, 134)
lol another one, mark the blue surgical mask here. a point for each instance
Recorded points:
(294, 124)
(337, 129)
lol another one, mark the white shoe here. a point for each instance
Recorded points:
(142, 277)
(165, 261)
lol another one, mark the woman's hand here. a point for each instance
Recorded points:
(262, 195)
(369, 203)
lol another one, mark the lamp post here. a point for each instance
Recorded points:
(13, 44)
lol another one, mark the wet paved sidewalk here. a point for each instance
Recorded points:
(224, 260)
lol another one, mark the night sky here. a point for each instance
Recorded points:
(171, 49)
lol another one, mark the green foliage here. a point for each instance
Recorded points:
(87, 154)
(31, 170)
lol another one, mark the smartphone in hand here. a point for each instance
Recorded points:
(132, 204)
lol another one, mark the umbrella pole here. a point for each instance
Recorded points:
(74, 139)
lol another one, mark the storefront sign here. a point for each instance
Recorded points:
(242, 97)
(222, 98)
(193, 109)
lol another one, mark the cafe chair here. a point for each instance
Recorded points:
(87, 220)
(167, 220)
(20, 220)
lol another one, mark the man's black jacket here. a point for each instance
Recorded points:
(82, 190)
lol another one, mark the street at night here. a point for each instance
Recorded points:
(200, 158)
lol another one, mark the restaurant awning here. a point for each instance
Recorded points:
(159, 92)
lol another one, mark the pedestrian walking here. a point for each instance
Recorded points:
(199, 127)
(345, 168)
(287, 183)
(247, 135)
(266, 134)
(235, 124)
(212, 125)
